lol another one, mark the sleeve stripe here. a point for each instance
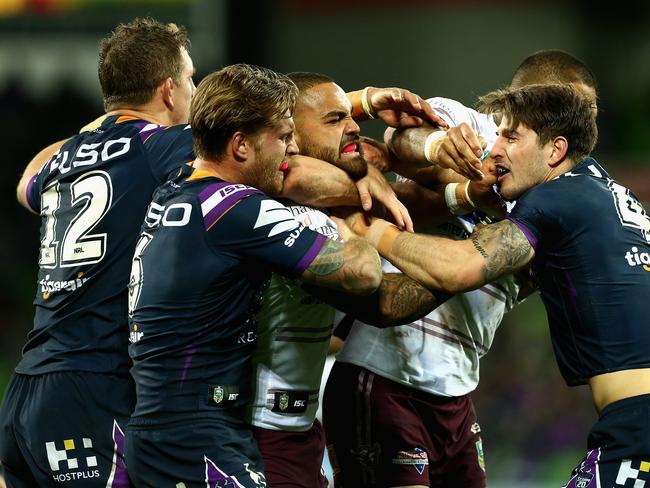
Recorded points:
(147, 130)
(218, 198)
(529, 235)
(310, 255)
(28, 194)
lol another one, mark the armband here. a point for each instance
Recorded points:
(431, 144)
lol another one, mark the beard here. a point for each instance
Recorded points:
(265, 175)
(356, 167)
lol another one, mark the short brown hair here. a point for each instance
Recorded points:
(136, 57)
(550, 111)
(552, 66)
(240, 97)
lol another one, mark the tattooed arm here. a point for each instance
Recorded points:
(398, 300)
(452, 266)
(351, 267)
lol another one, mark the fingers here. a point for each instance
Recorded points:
(464, 147)
(363, 187)
(408, 109)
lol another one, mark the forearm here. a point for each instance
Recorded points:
(351, 267)
(398, 300)
(408, 147)
(319, 184)
(436, 262)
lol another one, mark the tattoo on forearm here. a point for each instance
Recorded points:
(504, 248)
(478, 246)
(329, 260)
(406, 298)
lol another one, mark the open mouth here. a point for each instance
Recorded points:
(501, 172)
(350, 150)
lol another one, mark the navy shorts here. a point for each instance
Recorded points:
(293, 459)
(65, 429)
(381, 434)
(618, 447)
(192, 452)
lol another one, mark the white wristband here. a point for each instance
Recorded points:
(429, 141)
(365, 103)
(467, 198)
(451, 200)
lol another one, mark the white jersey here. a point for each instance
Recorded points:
(294, 331)
(440, 352)
(454, 113)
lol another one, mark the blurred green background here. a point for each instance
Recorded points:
(534, 427)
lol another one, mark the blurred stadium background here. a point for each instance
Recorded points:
(534, 427)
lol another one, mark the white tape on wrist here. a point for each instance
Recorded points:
(365, 103)
(451, 200)
(467, 198)
(430, 141)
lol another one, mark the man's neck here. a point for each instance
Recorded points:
(224, 170)
(144, 114)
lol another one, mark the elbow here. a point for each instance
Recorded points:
(368, 276)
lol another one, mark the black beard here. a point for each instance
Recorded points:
(356, 167)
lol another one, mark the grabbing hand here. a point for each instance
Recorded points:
(374, 185)
(398, 107)
(459, 149)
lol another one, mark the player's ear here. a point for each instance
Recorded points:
(559, 148)
(166, 90)
(241, 146)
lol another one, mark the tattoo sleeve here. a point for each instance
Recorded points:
(351, 267)
(504, 247)
(398, 300)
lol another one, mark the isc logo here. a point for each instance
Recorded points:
(299, 403)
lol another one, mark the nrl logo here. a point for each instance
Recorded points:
(284, 401)
(217, 396)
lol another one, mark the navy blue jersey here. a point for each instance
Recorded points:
(92, 197)
(203, 260)
(592, 261)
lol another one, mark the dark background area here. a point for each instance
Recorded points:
(534, 427)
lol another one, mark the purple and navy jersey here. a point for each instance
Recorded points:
(92, 196)
(202, 263)
(592, 262)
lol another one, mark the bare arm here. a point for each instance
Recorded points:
(351, 267)
(458, 149)
(444, 264)
(398, 300)
(319, 184)
(32, 168)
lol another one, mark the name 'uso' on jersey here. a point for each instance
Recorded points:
(592, 243)
(92, 196)
(203, 261)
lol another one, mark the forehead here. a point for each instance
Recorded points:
(187, 60)
(505, 128)
(324, 98)
(284, 124)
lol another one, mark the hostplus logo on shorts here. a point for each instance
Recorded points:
(72, 462)
(636, 258)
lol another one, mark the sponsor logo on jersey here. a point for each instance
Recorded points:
(276, 215)
(627, 471)
(415, 457)
(636, 258)
(291, 402)
(222, 395)
(135, 335)
(51, 286)
(74, 462)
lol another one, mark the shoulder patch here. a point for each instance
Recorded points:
(220, 197)
(147, 130)
(274, 213)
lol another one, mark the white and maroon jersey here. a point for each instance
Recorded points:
(440, 352)
(454, 113)
(293, 335)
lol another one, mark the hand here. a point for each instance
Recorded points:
(344, 231)
(376, 154)
(374, 185)
(482, 193)
(459, 150)
(398, 107)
